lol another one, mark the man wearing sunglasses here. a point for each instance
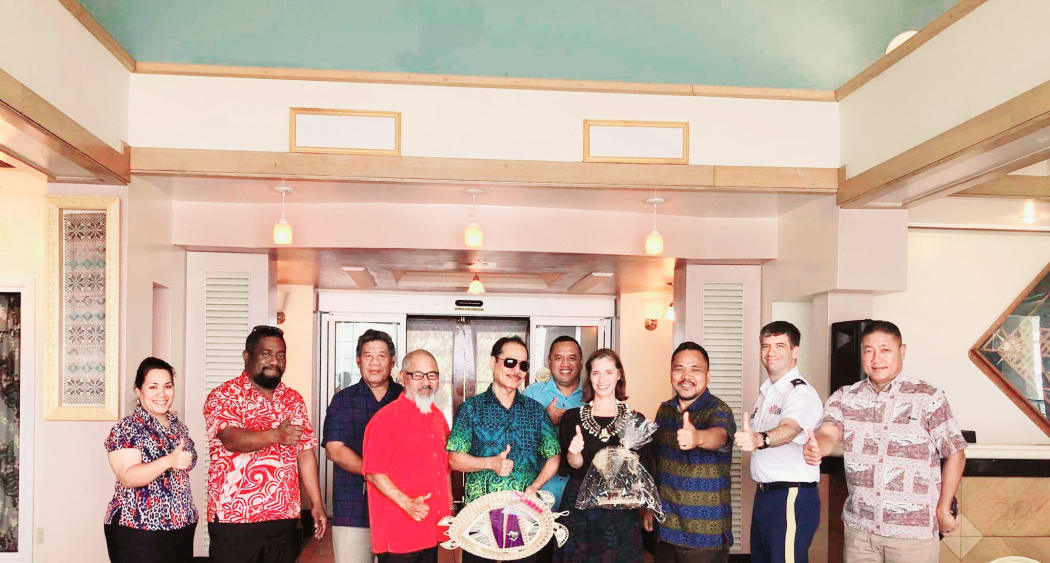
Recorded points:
(502, 440)
(406, 467)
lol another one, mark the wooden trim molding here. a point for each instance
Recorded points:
(1016, 185)
(1011, 120)
(466, 81)
(293, 142)
(682, 126)
(904, 49)
(414, 169)
(100, 33)
(33, 116)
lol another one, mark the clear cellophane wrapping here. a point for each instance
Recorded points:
(616, 479)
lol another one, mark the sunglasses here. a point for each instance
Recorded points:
(419, 375)
(509, 363)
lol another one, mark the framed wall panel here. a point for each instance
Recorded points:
(83, 257)
(647, 142)
(344, 131)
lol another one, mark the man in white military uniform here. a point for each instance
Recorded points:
(787, 506)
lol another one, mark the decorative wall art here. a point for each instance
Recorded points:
(1015, 351)
(83, 308)
(10, 417)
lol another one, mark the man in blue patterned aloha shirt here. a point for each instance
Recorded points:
(502, 440)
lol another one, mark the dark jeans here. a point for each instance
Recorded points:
(671, 553)
(275, 541)
(128, 545)
(422, 556)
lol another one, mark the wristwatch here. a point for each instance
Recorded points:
(765, 441)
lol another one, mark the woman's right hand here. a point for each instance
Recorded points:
(179, 458)
(576, 445)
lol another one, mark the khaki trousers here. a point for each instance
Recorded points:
(352, 545)
(863, 547)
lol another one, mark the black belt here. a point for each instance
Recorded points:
(763, 487)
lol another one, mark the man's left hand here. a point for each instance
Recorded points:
(946, 521)
(320, 520)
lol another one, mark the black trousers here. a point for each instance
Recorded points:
(128, 545)
(429, 555)
(275, 541)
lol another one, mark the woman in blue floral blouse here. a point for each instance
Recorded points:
(151, 518)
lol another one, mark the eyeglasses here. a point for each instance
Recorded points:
(509, 363)
(419, 375)
(267, 328)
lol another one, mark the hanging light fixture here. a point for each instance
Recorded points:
(282, 231)
(669, 315)
(475, 287)
(654, 243)
(1029, 212)
(473, 237)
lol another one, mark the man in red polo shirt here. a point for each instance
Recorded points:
(406, 466)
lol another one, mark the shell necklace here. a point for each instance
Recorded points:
(603, 433)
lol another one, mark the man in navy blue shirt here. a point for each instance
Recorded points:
(344, 431)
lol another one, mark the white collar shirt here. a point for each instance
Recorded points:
(790, 397)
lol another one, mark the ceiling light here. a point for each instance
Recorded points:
(1029, 212)
(473, 237)
(282, 231)
(654, 243)
(669, 315)
(475, 287)
(602, 274)
(899, 40)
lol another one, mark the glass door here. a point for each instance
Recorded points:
(591, 332)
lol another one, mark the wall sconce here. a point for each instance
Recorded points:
(652, 316)
(654, 243)
(282, 231)
(669, 315)
(473, 237)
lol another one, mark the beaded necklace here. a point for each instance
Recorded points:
(594, 429)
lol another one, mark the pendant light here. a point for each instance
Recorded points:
(473, 237)
(654, 243)
(1028, 216)
(282, 231)
(475, 287)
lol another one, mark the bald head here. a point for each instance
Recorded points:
(416, 372)
(416, 358)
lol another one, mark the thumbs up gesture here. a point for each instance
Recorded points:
(688, 436)
(417, 508)
(179, 458)
(747, 440)
(811, 451)
(501, 465)
(576, 445)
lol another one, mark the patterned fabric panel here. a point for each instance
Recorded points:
(84, 308)
(348, 414)
(262, 485)
(893, 443)
(166, 502)
(484, 428)
(695, 485)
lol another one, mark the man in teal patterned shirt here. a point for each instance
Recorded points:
(502, 440)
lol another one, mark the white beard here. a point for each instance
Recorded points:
(423, 403)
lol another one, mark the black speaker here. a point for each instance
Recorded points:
(845, 353)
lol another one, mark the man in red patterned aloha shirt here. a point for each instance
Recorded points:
(895, 431)
(260, 443)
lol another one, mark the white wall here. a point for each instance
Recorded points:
(44, 47)
(438, 121)
(798, 313)
(391, 225)
(958, 284)
(299, 327)
(151, 258)
(994, 53)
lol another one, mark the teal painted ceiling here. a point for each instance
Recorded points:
(818, 44)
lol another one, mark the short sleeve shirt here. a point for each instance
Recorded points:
(545, 391)
(166, 502)
(255, 486)
(407, 446)
(348, 414)
(695, 485)
(790, 397)
(894, 440)
(483, 427)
